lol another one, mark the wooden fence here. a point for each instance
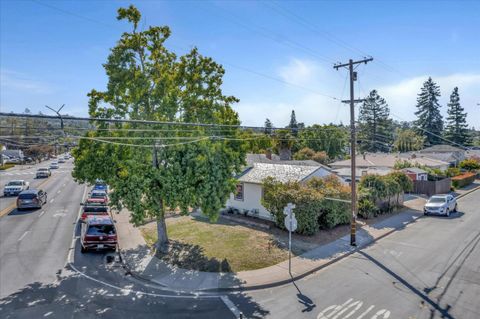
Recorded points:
(430, 188)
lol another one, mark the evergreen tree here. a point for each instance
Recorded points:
(375, 126)
(293, 126)
(429, 120)
(268, 127)
(457, 128)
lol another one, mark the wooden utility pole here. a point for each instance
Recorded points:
(353, 141)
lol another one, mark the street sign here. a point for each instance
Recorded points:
(293, 223)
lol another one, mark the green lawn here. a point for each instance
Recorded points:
(223, 246)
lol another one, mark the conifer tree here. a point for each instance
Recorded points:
(429, 120)
(456, 129)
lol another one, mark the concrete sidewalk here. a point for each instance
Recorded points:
(138, 260)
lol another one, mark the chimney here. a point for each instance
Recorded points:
(268, 154)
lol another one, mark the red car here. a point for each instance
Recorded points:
(94, 206)
(99, 195)
(98, 233)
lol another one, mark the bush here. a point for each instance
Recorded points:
(6, 166)
(452, 171)
(367, 209)
(471, 164)
(463, 180)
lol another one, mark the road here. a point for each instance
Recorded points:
(39, 277)
(430, 269)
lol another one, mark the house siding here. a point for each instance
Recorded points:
(252, 199)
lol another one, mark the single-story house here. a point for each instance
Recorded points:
(416, 174)
(345, 173)
(388, 160)
(13, 154)
(447, 153)
(249, 193)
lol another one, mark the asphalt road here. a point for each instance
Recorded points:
(430, 269)
(42, 276)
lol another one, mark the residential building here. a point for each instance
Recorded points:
(416, 174)
(345, 173)
(249, 194)
(447, 153)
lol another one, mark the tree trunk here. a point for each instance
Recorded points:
(162, 243)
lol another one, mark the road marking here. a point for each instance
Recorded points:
(41, 214)
(24, 234)
(51, 201)
(337, 311)
(59, 191)
(231, 306)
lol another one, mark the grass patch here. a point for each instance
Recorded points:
(223, 246)
(6, 166)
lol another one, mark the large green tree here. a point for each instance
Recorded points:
(331, 139)
(375, 125)
(429, 120)
(407, 140)
(456, 129)
(190, 167)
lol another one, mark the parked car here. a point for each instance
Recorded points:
(100, 195)
(43, 172)
(32, 198)
(100, 185)
(93, 207)
(61, 160)
(440, 205)
(15, 187)
(98, 233)
(54, 165)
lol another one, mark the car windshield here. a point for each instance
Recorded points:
(15, 183)
(101, 230)
(97, 195)
(95, 208)
(43, 169)
(437, 200)
(27, 196)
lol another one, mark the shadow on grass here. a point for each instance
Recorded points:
(192, 257)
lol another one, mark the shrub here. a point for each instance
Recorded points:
(309, 154)
(452, 171)
(366, 208)
(6, 166)
(471, 164)
(463, 180)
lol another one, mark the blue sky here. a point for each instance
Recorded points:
(52, 52)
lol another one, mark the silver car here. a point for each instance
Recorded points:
(15, 187)
(440, 205)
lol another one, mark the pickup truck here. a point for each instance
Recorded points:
(15, 187)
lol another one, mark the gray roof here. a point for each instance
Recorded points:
(415, 170)
(260, 158)
(388, 160)
(281, 172)
(441, 148)
(346, 171)
(13, 153)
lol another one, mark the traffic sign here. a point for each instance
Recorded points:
(294, 223)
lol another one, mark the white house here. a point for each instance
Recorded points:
(248, 196)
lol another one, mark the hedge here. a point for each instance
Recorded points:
(463, 180)
(6, 166)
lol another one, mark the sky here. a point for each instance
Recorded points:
(278, 55)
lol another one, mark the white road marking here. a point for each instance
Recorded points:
(41, 214)
(231, 306)
(337, 311)
(59, 191)
(23, 236)
(51, 201)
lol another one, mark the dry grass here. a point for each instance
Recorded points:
(222, 246)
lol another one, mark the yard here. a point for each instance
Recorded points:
(221, 246)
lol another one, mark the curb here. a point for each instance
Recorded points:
(289, 280)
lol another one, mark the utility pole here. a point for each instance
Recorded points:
(353, 141)
(59, 115)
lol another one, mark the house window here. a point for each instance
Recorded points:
(239, 192)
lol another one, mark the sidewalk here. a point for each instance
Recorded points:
(138, 260)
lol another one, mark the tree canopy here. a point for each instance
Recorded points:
(429, 120)
(152, 167)
(456, 129)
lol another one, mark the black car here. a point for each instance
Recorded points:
(32, 198)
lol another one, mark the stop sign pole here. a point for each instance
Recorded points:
(291, 225)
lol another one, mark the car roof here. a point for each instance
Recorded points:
(42, 168)
(17, 180)
(439, 196)
(99, 220)
(30, 191)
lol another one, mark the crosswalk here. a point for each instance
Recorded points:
(31, 173)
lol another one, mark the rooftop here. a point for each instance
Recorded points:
(441, 148)
(281, 172)
(388, 160)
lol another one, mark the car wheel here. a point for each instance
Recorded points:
(447, 213)
(455, 208)
(83, 250)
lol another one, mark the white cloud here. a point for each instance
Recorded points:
(299, 72)
(16, 81)
(402, 96)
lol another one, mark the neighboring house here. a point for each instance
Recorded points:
(447, 153)
(472, 153)
(346, 173)
(248, 196)
(388, 160)
(416, 174)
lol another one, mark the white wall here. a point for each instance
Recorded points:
(252, 196)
